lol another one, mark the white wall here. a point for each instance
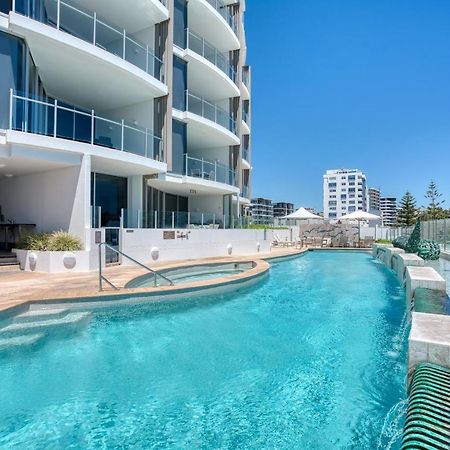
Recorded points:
(206, 204)
(53, 200)
(200, 244)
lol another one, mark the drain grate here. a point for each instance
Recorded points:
(427, 424)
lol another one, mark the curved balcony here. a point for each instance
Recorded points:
(209, 69)
(63, 38)
(212, 19)
(209, 170)
(246, 158)
(55, 119)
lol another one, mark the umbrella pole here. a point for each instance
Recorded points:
(359, 233)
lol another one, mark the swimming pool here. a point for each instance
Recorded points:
(187, 274)
(310, 358)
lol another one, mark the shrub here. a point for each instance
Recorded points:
(58, 241)
(383, 241)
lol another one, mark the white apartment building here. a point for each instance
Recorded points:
(123, 114)
(388, 206)
(373, 201)
(344, 191)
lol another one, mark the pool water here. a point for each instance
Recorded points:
(182, 275)
(308, 359)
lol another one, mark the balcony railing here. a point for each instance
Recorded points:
(244, 192)
(245, 78)
(223, 10)
(50, 117)
(245, 116)
(203, 48)
(208, 170)
(91, 28)
(211, 111)
(246, 154)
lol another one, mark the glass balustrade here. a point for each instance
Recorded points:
(208, 170)
(203, 48)
(246, 154)
(211, 111)
(88, 26)
(224, 11)
(50, 117)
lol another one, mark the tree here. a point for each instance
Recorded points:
(434, 209)
(407, 213)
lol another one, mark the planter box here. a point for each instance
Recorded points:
(53, 262)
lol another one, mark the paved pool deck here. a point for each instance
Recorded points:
(17, 288)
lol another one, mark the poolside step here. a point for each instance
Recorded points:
(8, 262)
(19, 341)
(40, 314)
(31, 327)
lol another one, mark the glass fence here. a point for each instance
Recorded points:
(211, 111)
(208, 170)
(437, 230)
(245, 116)
(223, 10)
(169, 220)
(89, 27)
(246, 154)
(50, 117)
(202, 47)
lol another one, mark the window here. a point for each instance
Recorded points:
(179, 146)
(351, 190)
(332, 215)
(332, 203)
(351, 209)
(332, 185)
(180, 20)
(351, 178)
(179, 83)
(343, 196)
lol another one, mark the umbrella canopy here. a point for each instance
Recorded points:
(360, 215)
(302, 214)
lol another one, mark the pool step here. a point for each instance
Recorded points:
(21, 328)
(40, 314)
(19, 341)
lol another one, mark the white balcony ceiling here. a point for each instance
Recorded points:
(131, 15)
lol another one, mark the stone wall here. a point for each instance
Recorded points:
(337, 232)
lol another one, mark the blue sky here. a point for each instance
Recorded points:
(349, 83)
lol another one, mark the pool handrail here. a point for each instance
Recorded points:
(102, 277)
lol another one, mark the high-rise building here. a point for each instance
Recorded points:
(281, 209)
(116, 113)
(373, 201)
(388, 206)
(262, 211)
(344, 191)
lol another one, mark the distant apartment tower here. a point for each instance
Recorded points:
(373, 201)
(388, 207)
(344, 191)
(262, 211)
(281, 209)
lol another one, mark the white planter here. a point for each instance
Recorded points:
(53, 262)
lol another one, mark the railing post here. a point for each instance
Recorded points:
(11, 99)
(146, 60)
(121, 218)
(202, 219)
(224, 221)
(94, 33)
(214, 220)
(124, 44)
(14, 5)
(173, 220)
(100, 286)
(203, 167)
(58, 14)
(146, 139)
(187, 157)
(92, 126)
(123, 125)
(55, 115)
(215, 170)
(99, 217)
(138, 218)
(156, 219)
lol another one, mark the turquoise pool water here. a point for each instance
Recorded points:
(311, 358)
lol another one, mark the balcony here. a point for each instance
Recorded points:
(211, 111)
(91, 28)
(56, 119)
(210, 72)
(209, 171)
(213, 20)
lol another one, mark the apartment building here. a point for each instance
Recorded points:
(262, 211)
(388, 207)
(281, 209)
(117, 114)
(373, 201)
(344, 191)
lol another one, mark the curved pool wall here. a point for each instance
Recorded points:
(194, 272)
(310, 357)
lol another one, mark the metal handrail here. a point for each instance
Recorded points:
(102, 278)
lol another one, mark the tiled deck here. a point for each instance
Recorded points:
(20, 287)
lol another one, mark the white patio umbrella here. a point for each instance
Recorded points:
(302, 214)
(360, 216)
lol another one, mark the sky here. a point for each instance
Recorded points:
(349, 83)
